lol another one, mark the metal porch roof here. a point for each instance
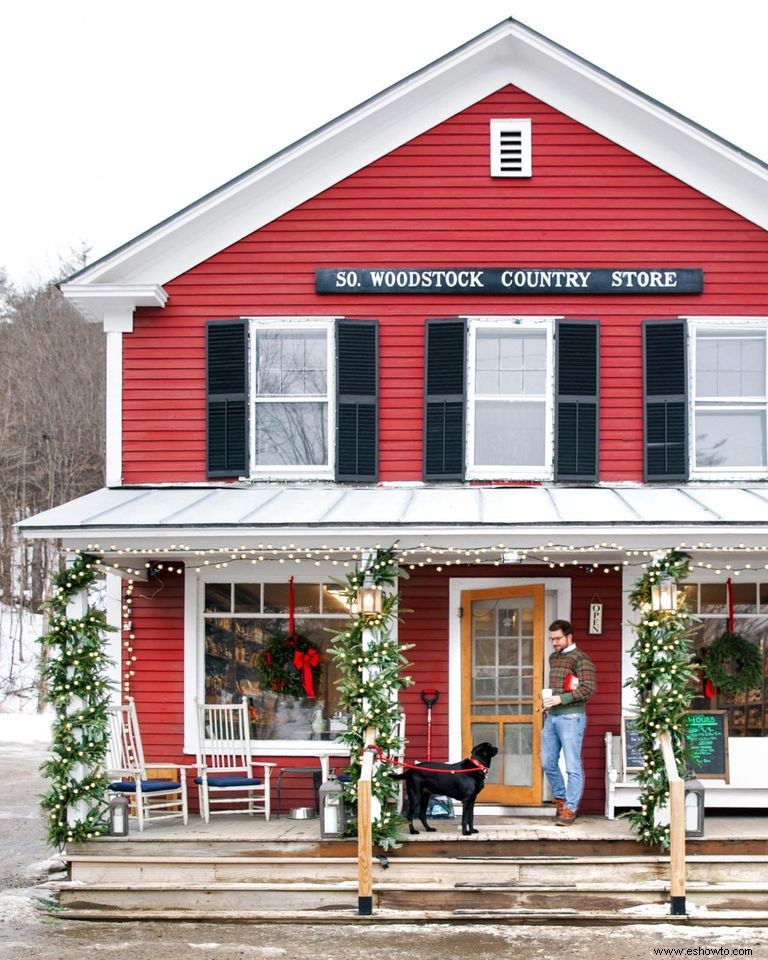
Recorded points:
(514, 515)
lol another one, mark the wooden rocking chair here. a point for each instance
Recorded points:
(225, 762)
(154, 799)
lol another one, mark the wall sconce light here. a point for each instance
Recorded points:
(664, 594)
(369, 601)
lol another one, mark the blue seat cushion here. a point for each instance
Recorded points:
(230, 781)
(147, 786)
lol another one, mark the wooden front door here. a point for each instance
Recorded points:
(502, 644)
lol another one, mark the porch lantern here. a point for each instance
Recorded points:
(118, 816)
(664, 594)
(694, 808)
(332, 813)
(369, 600)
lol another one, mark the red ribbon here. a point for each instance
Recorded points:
(729, 589)
(305, 662)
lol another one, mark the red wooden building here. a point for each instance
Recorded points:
(510, 313)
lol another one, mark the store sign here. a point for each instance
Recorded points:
(510, 280)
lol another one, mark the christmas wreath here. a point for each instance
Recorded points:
(290, 665)
(748, 662)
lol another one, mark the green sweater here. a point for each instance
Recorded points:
(573, 661)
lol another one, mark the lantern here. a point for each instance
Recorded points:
(664, 594)
(332, 814)
(118, 816)
(369, 600)
(694, 808)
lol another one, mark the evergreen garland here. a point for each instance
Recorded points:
(748, 660)
(372, 701)
(79, 690)
(661, 655)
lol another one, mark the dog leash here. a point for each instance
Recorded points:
(380, 755)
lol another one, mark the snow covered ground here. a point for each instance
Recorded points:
(19, 652)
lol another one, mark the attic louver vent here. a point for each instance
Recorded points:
(510, 148)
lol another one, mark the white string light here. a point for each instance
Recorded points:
(600, 556)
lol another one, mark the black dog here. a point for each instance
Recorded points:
(461, 781)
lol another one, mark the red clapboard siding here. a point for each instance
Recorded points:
(432, 202)
(425, 594)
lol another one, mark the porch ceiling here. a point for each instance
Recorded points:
(603, 520)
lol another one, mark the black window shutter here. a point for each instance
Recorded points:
(577, 400)
(226, 395)
(357, 385)
(445, 399)
(665, 400)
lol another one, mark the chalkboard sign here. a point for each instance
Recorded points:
(632, 745)
(706, 737)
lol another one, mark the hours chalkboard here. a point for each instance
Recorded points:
(706, 738)
(632, 745)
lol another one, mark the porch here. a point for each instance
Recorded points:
(516, 869)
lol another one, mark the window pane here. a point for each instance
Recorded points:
(306, 597)
(291, 434)
(713, 598)
(291, 363)
(509, 434)
(247, 598)
(732, 438)
(218, 597)
(510, 362)
(730, 363)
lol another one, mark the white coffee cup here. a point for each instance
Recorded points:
(546, 693)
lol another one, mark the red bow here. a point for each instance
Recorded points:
(305, 662)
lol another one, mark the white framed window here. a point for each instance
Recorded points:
(729, 391)
(230, 617)
(510, 406)
(293, 390)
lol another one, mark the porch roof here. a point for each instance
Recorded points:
(524, 517)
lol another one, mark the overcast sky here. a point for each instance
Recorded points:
(117, 114)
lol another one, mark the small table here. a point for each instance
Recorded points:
(288, 771)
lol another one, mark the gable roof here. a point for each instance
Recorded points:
(509, 53)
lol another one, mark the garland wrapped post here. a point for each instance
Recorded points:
(661, 655)
(371, 663)
(79, 690)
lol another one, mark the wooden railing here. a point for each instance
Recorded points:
(676, 827)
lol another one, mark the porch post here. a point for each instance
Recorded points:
(77, 607)
(365, 831)
(676, 828)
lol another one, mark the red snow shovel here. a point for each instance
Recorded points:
(439, 807)
(430, 698)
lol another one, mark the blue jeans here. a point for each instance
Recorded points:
(564, 733)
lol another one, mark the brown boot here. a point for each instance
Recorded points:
(559, 803)
(566, 817)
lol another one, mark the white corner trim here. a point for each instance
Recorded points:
(113, 646)
(113, 303)
(114, 409)
(193, 658)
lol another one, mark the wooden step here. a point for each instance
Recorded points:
(553, 917)
(594, 896)
(435, 871)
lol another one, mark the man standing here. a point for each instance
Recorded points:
(573, 680)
